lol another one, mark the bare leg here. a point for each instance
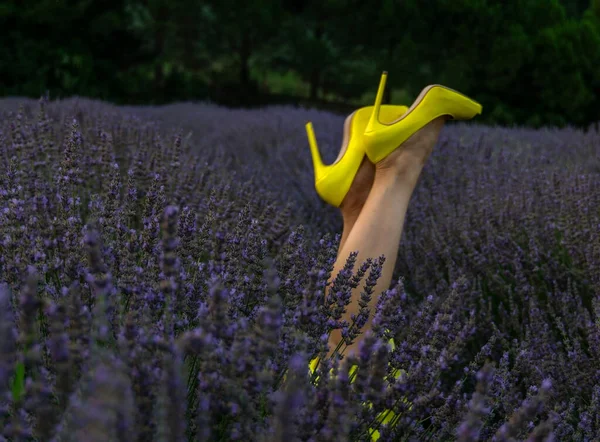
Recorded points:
(378, 227)
(355, 199)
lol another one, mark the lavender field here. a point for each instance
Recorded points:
(163, 271)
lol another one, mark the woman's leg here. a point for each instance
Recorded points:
(356, 197)
(377, 229)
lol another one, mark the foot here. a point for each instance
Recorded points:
(409, 159)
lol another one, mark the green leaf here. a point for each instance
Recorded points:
(17, 382)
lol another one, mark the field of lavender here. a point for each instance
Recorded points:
(162, 277)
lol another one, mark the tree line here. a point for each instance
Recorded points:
(529, 62)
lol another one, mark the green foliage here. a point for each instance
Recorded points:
(503, 74)
(17, 382)
(595, 8)
(566, 58)
(527, 61)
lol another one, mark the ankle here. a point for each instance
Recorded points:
(406, 169)
(359, 190)
(409, 159)
(350, 209)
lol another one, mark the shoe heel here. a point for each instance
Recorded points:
(374, 120)
(314, 151)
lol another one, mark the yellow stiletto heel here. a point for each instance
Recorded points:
(333, 181)
(381, 139)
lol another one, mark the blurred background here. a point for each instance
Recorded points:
(529, 62)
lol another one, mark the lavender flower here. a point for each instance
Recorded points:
(125, 318)
(471, 426)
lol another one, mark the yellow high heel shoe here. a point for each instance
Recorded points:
(333, 181)
(381, 139)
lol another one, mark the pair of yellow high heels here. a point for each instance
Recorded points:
(364, 133)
